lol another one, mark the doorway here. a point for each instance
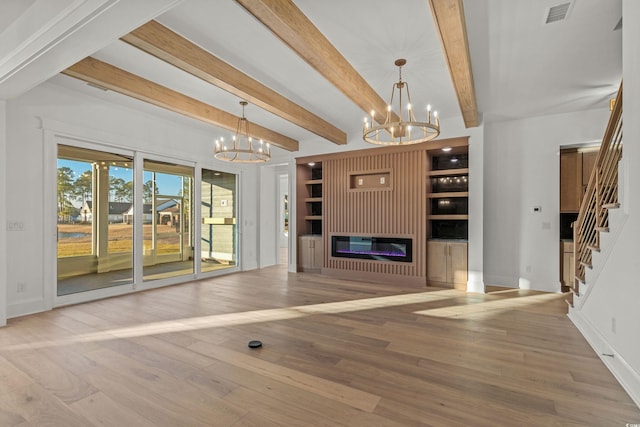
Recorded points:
(283, 218)
(219, 230)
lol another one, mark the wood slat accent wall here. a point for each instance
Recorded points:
(395, 211)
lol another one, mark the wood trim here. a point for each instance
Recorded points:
(286, 21)
(387, 187)
(451, 26)
(446, 172)
(161, 42)
(448, 195)
(436, 284)
(459, 144)
(364, 152)
(461, 217)
(100, 73)
(375, 277)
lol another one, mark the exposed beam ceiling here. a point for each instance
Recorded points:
(288, 23)
(102, 74)
(450, 23)
(161, 42)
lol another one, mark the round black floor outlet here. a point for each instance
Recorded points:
(255, 344)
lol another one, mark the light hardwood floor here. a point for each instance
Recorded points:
(336, 353)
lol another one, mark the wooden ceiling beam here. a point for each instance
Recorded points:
(161, 42)
(288, 23)
(451, 26)
(102, 74)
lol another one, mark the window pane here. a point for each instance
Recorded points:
(95, 237)
(168, 222)
(219, 229)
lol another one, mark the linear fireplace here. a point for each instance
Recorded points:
(376, 248)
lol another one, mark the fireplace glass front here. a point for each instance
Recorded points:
(376, 248)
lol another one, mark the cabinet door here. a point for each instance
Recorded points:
(437, 260)
(568, 268)
(318, 251)
(570, 181)
(305, 252)
(588, 162)
(458, 260)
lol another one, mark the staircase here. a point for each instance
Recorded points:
(600, 219)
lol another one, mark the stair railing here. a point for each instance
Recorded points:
(600, 196)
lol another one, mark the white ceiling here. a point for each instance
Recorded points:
(524, 67)
(521, 66)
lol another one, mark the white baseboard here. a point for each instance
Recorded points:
(476, 286)
(504, 281)
(25, 307)
(628, 378)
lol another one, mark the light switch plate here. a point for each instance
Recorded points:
(15, 226)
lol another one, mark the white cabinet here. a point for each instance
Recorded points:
(310, 250)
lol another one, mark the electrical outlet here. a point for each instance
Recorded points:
(21, 287)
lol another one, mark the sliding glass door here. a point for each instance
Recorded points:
(218, 236)
(97, 213)
(95, 235)
(168, 221)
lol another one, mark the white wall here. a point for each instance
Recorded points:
(522, 170)
(476, 281)
(268, 191)
(610, 313)
(158, 134)
(249, 218)
(3, 218)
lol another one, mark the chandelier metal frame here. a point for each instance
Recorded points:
(396, 130)
(243, 148)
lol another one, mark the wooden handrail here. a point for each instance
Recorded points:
(601, 194)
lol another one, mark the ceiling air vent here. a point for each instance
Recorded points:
(557, 13)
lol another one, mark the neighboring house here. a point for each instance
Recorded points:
(86, 212)
(168, 212)
(146, 214)
(118, 212)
